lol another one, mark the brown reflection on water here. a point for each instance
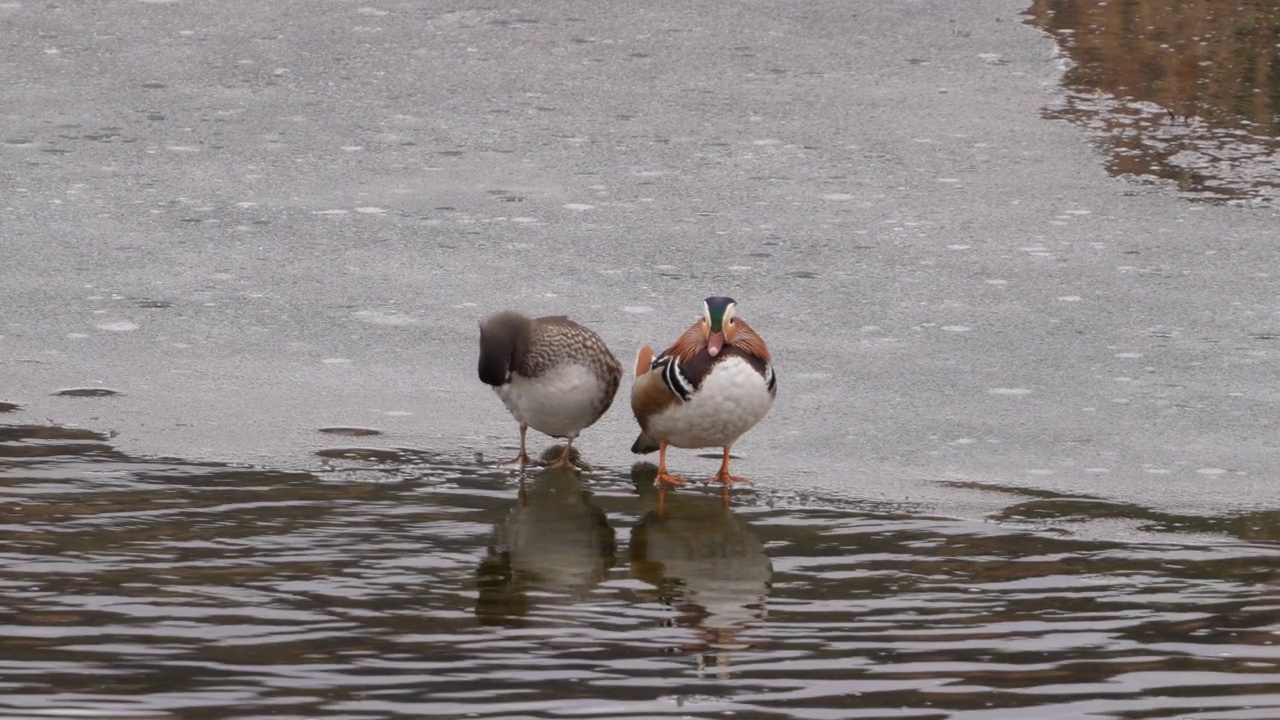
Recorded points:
(1184, 91)
(555, 543)
(1040, 506)
(704, 561)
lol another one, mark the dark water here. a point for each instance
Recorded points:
(1176, 91)
(406, 584)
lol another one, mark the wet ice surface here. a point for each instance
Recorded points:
(410, 583)
(246, 238)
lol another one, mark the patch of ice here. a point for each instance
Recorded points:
(1069, 298)
(377, 317)
(959, 247)
(335, 211)
(956, 328)
(335, 361)
(837, 196)
(580, 207)
(398, 413)
(637, 309)
(118, 326)
(370, 210)
(77, 336)
(1211, 471)
(1013, 392)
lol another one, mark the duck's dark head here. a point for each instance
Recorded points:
(504, 341)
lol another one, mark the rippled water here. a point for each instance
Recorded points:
(407, 584)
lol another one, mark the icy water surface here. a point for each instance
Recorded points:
(407, 584)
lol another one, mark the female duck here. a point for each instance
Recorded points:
(553, 374)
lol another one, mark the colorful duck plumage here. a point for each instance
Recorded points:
(711, 386)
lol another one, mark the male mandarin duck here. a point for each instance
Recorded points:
(553, 374)
(711, 386)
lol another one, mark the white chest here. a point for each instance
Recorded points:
(559, 403)
(731, 400)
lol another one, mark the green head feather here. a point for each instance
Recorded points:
(716, 308)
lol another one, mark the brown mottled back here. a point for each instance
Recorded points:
(556, 340)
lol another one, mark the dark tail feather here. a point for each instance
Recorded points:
(644, 445)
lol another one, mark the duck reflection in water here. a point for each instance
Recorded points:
(554, 544)
(704, 562)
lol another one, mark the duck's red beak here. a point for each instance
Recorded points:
(715, 341)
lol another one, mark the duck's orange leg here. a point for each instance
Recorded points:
(523, 458)
(727, 479)
(664, 479)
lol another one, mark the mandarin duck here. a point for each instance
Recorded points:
(711, 386)
(553, 374)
